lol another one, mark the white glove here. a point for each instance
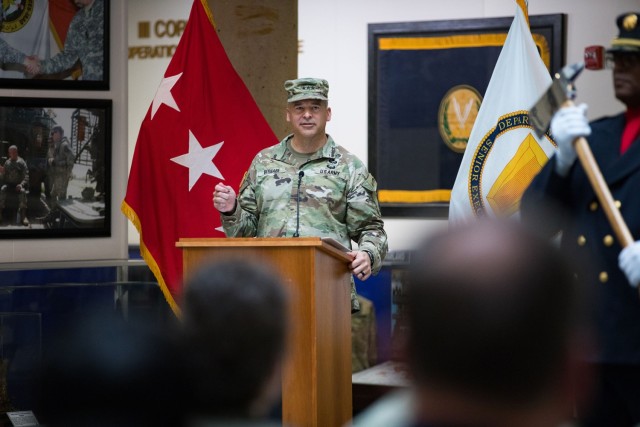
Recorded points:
(568, 124)
(629, 262)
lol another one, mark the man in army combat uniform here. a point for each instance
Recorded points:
(84, 43)
(307, 185)
(60, 160)
(9, 54)
(14, 175)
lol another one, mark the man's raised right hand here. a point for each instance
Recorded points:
(224, 198)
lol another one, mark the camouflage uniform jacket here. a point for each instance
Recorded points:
(10, 55)
(337, 199)
(16, 173)
(62, 156)
(84, 42)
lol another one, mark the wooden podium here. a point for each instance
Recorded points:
(316, 381)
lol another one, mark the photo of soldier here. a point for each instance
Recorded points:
(60, 160)
(8, 54)
(84, 44)
(65, 150)
(96, 149)
(37, 150)
(14, 175)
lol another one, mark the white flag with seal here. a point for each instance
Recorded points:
(504, 154)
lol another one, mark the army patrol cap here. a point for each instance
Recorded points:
(628, 39)
(306, 88)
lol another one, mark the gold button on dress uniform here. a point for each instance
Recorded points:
(608, 240)
(593, 206)
(582, 240)
(604, 277)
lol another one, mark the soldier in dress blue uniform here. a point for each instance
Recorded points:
(561, 198)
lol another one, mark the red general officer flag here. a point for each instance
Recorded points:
(202, 127)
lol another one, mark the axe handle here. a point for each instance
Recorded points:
(602, 192)
(601, 189)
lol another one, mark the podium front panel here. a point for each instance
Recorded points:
(316, 379)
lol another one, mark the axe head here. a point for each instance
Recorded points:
(560, 91)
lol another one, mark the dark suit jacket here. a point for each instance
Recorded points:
(553, 203)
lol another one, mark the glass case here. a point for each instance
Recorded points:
(20, 351)
(38, 306)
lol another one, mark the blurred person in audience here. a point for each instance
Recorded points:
(494, 327)
(234, 334)
(109, 372)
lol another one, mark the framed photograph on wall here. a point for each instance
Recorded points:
(55, 167)
(416, 71)
(54, 44)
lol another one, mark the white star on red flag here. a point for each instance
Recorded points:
(199, 160)
(164, 96)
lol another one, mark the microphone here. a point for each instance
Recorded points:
(594, 58)
(297, 234)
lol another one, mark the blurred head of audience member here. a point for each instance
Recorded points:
(234, 331)
(106, 371)
(494, 329)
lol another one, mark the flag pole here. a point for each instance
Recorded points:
(524, 5)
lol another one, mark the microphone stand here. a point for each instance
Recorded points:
(297, 233)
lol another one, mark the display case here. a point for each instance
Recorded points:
(38, 305)
(20, 351)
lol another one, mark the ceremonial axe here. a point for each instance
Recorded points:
(561, 94)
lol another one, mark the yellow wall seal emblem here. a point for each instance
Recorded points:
(457, 114)
(17, 14)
